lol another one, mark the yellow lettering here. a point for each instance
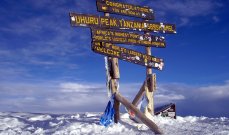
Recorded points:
(104, 21)
(98, 38)
(168, 28)
(155, 59)
(131, 52)
(123, 50)
(132, 35)
(87, 20)
(124, 11)
(132, 41)
(117, 48)
(155, 27)
(158, 44)
(108, 45)
(117, 39)
(128, 24)
(121, 23)
(127, 6)
(113, 22)
(138, 25)
(145, 42)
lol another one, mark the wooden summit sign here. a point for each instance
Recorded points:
(107, 31)
(114, 23)
(125, 9)
(120, 37)
(129, 55)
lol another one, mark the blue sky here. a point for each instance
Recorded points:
(47, 66)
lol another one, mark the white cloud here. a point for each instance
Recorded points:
(44, 39)
(215, 91)
(183, 11)
(78, 101)
(178, 91)
(167, 98)
(79, 87)
(188, 8)
(59, 96)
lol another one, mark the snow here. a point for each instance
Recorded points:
(40, 118)
(88, 123)
(143, 15)
(73, 19)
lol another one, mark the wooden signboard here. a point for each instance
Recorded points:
(129, 55)
(115, 7)
(121, 37)
(114, 23)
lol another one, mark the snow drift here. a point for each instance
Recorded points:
(88, 123)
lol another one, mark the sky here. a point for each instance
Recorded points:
(48, 66)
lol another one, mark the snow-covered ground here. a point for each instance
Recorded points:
(88, 123)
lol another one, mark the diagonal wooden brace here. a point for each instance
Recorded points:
(140, 93)
(138, 113)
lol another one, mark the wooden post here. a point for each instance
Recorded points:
(149, 94)
(150, 82)
(138, 113)
(115, 67)
(114, 88)
(114, 70)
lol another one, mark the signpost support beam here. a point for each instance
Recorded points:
(114, 82)
(149, 91)
(115, 67)
(140, 93)
(148, 52)
(138, 113)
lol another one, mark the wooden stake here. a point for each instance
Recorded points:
(113, 62)
(148, 51)
(114, 88)
(138, 113)
(115, 67)
(150, 83)
(149, 91)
